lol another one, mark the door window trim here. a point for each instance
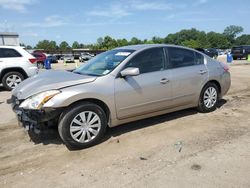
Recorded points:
(164, 61)
(170, 66)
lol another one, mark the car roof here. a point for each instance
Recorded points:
(145, 46)
(8, 46)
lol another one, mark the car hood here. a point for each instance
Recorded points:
(49, 80)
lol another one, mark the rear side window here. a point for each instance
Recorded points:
(150, 60)
(8, 52)
(199, 59)
(180, 57)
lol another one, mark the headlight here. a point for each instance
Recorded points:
(37, 101)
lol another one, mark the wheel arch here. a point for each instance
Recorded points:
(13, 69)
(98, 102)
(216, 83)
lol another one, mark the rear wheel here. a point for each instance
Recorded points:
(12, 79)
(208, 98)
(82, 125)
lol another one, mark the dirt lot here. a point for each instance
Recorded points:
(181, 149)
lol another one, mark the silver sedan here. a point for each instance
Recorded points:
(119, 86)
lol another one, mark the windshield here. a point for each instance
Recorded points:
(104, 63)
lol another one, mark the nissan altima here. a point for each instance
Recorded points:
(119, 86)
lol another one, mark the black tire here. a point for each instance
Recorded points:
(68, 116)
(202, 106)
(5, 82)
(40, 65)
(234, 58)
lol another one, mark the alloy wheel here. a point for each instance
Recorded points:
(13, 80)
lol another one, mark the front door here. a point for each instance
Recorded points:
(148, 92)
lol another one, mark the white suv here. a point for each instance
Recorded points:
(16, 64)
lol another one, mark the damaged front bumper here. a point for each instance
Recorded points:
(35, 120)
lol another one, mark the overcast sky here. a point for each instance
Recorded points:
(86, 20)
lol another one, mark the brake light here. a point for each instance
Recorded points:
(225, 67)
(33, 60)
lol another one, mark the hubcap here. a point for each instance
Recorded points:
(210, 97)
(85, 126)
(13, 80)
(40, 65)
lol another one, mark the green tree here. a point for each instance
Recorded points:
(64, 46)
(109, 43)
(135, 41)
(217, 40)
(191, 43)
(122, 42)
(233, 31)
(188, 36)
(53, 46)
(157, 40)
(100, 41)
(44, 44)
(243, 40)
(28, 47)
(75, 45)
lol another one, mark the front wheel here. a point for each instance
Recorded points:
(208, 98)
(82, 125)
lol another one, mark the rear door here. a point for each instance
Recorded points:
(148, 92)
(189, 73)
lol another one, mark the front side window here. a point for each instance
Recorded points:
(180, 57)
(148, 61)
(104, 63)
(7, 53)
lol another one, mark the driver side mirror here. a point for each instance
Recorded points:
(130, 71)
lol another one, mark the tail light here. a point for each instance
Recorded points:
(225, 67)
(33, 60)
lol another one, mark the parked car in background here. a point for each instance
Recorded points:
(16, 64)
(52, 58)
(119, 86)
(40, 57)
(240, 52)
(76, 55)
(211, 52)
(68, 58)
(85, 56)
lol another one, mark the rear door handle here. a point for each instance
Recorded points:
(164, 81)
(203, 72)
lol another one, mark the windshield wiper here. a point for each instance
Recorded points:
(87, 74)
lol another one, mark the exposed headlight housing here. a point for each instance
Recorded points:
(37, 101)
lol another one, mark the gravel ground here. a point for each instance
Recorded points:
(181, 149)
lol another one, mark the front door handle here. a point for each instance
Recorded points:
(164, 81)
(203, 72)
